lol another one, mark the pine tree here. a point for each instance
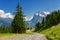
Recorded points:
(43, 21)
(18, 24)
(42, 24)
(38, 26)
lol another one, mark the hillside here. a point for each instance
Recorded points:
(53, 32)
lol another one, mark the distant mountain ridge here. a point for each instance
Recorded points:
(38, 16)
(5, 21)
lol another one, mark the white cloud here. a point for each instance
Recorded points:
(6, 15)
(28, 18)
(9, 15)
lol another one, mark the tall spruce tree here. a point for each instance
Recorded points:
(38, 26)
(42, 25)
(18, 23)
(43, 21)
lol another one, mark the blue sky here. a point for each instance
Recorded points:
(30, 6)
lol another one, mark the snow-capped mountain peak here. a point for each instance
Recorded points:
(38, 17)
(42, 14)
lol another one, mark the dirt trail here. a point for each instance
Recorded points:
(34, 36)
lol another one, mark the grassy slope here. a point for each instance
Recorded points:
(13, 35)
(6, 35)
(53, 32)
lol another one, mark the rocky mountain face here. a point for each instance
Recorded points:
(38, 17)
(5, 21)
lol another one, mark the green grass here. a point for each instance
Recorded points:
(9, 35)
(28, 32)
(53, 32)
(6, 34)
(12, 34)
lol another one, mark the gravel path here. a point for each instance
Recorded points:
(34, 36)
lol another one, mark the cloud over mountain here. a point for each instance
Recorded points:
(5, 18)
(6, 15)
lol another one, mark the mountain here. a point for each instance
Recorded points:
(6, 18)
(5, 21)
(38, 17)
